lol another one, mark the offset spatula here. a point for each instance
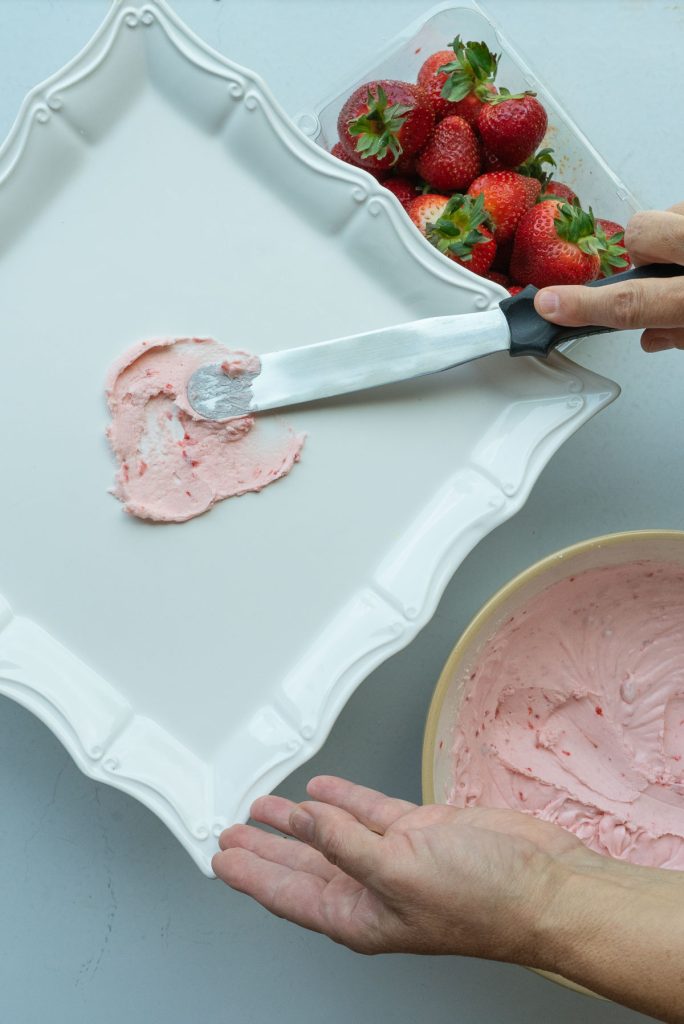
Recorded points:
(391, 354)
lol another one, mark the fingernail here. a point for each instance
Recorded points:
(302, 825)
(548, 302)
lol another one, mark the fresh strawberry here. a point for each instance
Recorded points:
(455, 80)
(515, 288)
(381, 120)
(614, 256)
(560, 190)
(512, 126)
(451, 158)
(507, 196)
(404, 189)
(556, 243)
(339, 151)
(458, 231)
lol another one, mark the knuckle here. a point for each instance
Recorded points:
(627, 305)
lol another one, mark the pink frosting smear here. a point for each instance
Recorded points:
(574, 713)
(174, 465)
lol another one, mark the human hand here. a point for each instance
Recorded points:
(653, 236)
(384, 875)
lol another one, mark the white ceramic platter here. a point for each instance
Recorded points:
(154, 188)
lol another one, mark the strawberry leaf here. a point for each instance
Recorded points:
(457, 85)
(573, 224)
(473, 64)
(483, 62)
(533, 167)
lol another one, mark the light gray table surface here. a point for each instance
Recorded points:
(103, 916)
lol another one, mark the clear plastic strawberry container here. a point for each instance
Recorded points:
(579, 164)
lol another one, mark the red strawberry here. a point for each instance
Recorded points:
(556, 243)
(455, 80)
(511, 127)
(457, 229)
(339, 151)
(515, 288)
(451, 158)
(507, 196)
(382, 120)
(558, 188)
(405, 190)
(614, 256)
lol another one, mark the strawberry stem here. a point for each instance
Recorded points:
(377, 129)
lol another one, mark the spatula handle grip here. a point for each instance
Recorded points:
(532, 335)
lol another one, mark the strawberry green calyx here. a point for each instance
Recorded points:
(457, 229)
(377, 128)
(533, 167)
(576, 225)
(474, 64)
(612, 253)
(493, 98)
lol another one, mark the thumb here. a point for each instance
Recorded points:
(342, 840)
(651, 302)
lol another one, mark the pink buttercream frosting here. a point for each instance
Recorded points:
(173, 465)
(574, 712)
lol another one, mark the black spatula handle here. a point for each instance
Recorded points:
(532, 335)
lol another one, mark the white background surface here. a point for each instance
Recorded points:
(102, 913)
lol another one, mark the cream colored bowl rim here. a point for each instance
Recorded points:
(488, 612)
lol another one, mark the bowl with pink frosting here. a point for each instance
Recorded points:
(564, 699)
